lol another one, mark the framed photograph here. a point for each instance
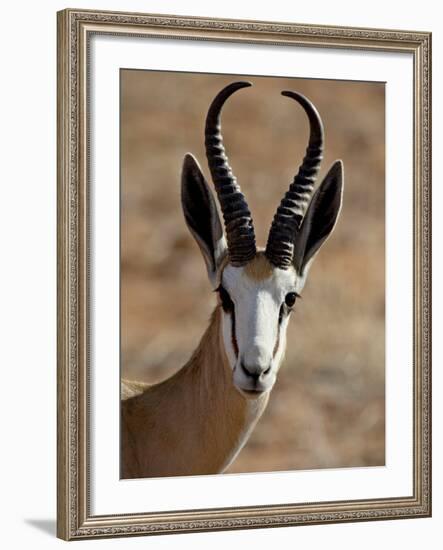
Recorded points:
(243, 274)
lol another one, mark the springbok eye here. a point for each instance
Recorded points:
(227, 303)
(290, 299)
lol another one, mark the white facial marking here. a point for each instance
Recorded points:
(259, 336)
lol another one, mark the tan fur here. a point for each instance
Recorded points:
(259, 268)
(131, 388)
(193, 423)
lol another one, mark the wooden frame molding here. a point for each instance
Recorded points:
(75, 28)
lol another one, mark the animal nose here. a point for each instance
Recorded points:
(255, 371)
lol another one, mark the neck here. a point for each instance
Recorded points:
(197, 420)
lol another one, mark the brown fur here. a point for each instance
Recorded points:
(259, 268)
(192, 423)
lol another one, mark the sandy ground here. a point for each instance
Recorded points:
(327, 408)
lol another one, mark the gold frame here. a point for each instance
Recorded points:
(75, 27)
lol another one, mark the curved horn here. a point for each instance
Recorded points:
(287, 220)
(238, 220)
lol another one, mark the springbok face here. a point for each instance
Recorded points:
(258, 289)
(257, 300)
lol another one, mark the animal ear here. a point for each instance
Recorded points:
(320, 218)
(202, 217)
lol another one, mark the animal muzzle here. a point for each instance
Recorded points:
(254, 376)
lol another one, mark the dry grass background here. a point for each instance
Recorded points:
(327, 408)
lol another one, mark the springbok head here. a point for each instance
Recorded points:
(258, 288)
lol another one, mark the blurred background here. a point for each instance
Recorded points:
(327, 409)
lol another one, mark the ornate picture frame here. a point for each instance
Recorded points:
(75, 517)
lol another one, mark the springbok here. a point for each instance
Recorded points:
(198, 420)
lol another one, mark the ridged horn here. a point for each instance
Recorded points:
(238, 220)
(289, 215)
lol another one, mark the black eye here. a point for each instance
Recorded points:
(290, 299)
(227, 303)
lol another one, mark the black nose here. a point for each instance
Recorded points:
(254, 372)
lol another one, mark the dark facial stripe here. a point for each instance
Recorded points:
(233, 337)
(284, 311)
(229, 308)
(277, 341)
